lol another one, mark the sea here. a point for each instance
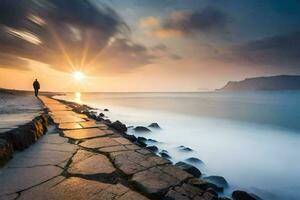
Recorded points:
(252, 139)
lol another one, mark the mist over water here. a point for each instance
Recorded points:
(250, 138)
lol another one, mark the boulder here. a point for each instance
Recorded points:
(194, 160)
(101, 115)
(189, 168)
(141, 141)
(216, 182)
(183, 148)
(141, 129)
(242, 195)
(106, 110)
(107, 121)
(132, 138)
(153, 149)
(119, 126)
(153, 141)
(164, 154)
(154, 125)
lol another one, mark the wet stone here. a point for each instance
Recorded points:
(99, 143)
(84, 133)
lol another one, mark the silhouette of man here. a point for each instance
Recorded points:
(36, 86)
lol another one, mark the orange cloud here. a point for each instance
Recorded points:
(149, 22)
(167, 33)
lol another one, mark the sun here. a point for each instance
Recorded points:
(79, 76)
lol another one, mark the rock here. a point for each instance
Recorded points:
(117, 125)
(183, 148)
(153, 141)
(153, 149)
(165, 155)
(141, 141)
(216, 182)
(199, 183)
(132, 138)
(6, 151)
(101, 115)
(194, 160)
(154, 125)
(141, 129)
(212, 191)
(189, 168)
(107, 121)
(106, 110)
(242, 195)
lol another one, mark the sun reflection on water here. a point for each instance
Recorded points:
(78, 97)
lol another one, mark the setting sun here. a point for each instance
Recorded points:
(78, 76)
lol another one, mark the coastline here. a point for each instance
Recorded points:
(218, 183)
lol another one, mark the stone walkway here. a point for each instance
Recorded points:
(84, 159)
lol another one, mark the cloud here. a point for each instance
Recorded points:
(8, 61)
(149, 22)
(206, 21)
(278, 53)
(66, 35)
(281, 52)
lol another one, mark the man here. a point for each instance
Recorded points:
(36, 86)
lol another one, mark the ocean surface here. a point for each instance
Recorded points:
(250, 138)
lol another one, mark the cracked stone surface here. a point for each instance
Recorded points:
(70, 125)
(95, 164)
(103, 142)
(131, 162)
(93, 124)
(77, 188)
(84, 133)
(157, 180)
(17, 179)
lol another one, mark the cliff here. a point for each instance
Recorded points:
(283, 82)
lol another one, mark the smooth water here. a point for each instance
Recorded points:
(252, 139)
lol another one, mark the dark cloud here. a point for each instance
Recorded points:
(61, 33)
(208, 20)
(278, 51)
(8, 61)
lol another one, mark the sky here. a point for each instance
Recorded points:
(146, 45)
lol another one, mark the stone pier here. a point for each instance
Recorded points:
(80, 158)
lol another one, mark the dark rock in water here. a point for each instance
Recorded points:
(194, 160)
(141, 141)
(119, 126)
(153, 149)
(242, 195)
(106, 110)
(132, 138)
(164, 151)
(141, 129)
(189, 168)
(6, 151)
(183, 148)
(165, 154)
(153, 141)
(154, 125)
(129, 127)
(99, 118)
(216, 182)
(93, 116)
(107, 121)
(101, 115)
(199, 183)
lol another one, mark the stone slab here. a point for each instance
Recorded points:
(84, 133)
(93, 124)
(69, 126)
(131, 162)
(96, 164)
(77, 189)
(13, 180)
(99, 143)
(157, 180)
